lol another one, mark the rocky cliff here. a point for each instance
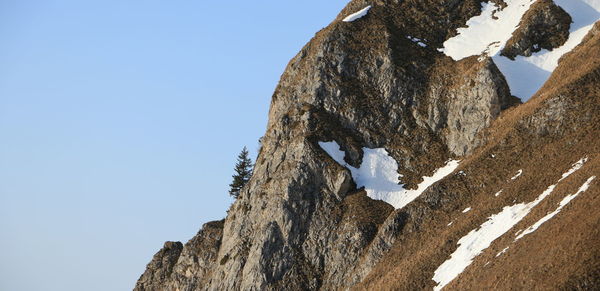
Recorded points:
(381, 80)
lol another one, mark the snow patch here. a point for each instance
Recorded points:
(576, 166)
(335, 152)
(548, 60)
(593, 3)
(498, 193)
(473, 244)
(487, 34)
(502, 251)
(354, 16)
(466, 210)
(562, 204)
(519, 173)
(378, 173)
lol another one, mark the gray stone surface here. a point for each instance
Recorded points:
(159, 270)
(301, 223)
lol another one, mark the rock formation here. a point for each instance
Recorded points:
(380, 82)
(544, 26)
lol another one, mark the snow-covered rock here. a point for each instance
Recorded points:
(488, 33)
(378, 173)
(357, 15)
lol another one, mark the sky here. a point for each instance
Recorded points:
(120, 123)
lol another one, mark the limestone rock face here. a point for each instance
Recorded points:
(464, 100)
(544, 26)
(197, 258)
(160, 268)
(301, 223)
(184, 267)
(363, 84)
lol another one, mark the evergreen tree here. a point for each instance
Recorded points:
(243, 172)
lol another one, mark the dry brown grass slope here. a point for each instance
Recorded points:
(543, 137)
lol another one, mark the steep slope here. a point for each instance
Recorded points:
(375, 84)
(541, 140)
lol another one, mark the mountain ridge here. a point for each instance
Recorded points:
(380, 82)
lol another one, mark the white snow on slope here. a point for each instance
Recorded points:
(593, 3)
(357, 15)
(476, 241)
(526, 75)
(378, 173)
(488, 35)
(574, 169)
(334, 151)
(519, 173)
(502, 251)
(562, 204)
(487, 32)
(466, 210)
(548, 60)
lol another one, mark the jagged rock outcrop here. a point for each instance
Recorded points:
(361, 84)
(464, 99)
(544, 26)
(159, 270)
(302, 224)
(189, 265)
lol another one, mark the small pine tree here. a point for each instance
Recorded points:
(243, 172)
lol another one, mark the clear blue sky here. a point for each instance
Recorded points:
(120, 122)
